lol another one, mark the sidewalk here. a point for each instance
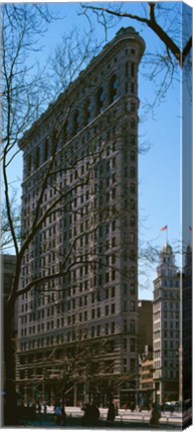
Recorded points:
(72, 422)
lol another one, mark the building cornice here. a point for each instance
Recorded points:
(122, 36)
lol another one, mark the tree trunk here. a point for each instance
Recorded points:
(75, 395)
(10, 400)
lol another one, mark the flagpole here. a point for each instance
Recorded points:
(165, 228)
(190, 235)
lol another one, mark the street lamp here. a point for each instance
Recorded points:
(136, 391)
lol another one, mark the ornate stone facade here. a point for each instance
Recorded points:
(166, 327)
(90, 233)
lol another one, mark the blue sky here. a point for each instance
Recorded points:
(159, 168)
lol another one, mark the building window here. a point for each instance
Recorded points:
(113, 292)
(106, 328)
(132, 345)
(76, 121)
(37, 158)
(65, 131)
(106, 310)
(132, 289)
(29, 165)
(107, 277)
(113, 327)
(87, 112)
(113, 308)
(100, 100)
(46, 150)
(133, 106)
(132, 69)
(125, 344)
(132, 123)
(54, 141)
(132, 327)
(133, 365)
(133, 156)
(132, 88)
(132, 140)
(132, 306)
(124, 365)
(126, 69)
(22, 374)
(113, 88)
(132, 172)
(98, 330)
(125, 326)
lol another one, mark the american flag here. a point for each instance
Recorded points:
(164, 228)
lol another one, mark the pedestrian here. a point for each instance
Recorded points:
(132, 406)
(33, 410)
(155, 416)
(87, 414)
(58, 414)
(111, 412)
(94, 414)
(172, 409)
(39, 408)
(63, 415)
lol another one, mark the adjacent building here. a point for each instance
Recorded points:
(186, 354)
(7, 266)
(145, 326)
(145, 350)
(146, 381)
(166, 327)
(81, 170)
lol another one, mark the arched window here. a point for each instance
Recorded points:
(54, 141)
(46, 150)
(132, 140)
(132, 221)
(133, 156)
(29, 165)
(76, 122)
(126, 68)
(132, 69)
(65, 131)
(99, 100)
(113, 88)
(87, 112)
(132, 123)
(37, 158)
(133, 106)
(132, 88)
(132, 172)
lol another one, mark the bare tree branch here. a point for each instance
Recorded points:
(153, 24)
